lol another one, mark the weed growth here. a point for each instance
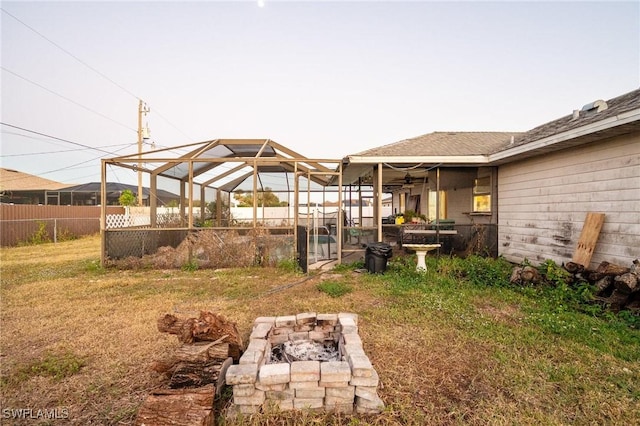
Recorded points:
(334, 288)
(190, 266)
(289, 265)
(41, 235)
(54, 365)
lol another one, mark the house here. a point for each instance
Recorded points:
(22, 188)
(89, 194)
(523, 195)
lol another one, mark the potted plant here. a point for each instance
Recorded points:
(410, 216)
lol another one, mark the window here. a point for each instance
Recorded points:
(482, 195)
(432, 205)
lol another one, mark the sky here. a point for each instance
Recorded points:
(323, 78)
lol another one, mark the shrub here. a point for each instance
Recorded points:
(486, 271)
(41, 236)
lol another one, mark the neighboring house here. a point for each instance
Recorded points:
(531, 190)
(22, 188)
(89, 194)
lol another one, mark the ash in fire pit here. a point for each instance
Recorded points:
(304, 350)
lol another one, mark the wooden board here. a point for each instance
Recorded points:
(588, 238)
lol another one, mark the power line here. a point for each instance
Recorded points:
(94, 70)
(61, 151)
(70, 54)
(66, 167)
(59, 139)
(67, 99)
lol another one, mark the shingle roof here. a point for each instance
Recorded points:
(13, 180)
(615, 106)
(444, 143)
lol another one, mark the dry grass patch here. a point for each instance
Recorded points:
(446, 353)
(498, 311)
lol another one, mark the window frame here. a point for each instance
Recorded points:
(481, 190)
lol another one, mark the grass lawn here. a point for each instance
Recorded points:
(450, 346)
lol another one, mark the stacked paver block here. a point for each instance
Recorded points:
(343, 385)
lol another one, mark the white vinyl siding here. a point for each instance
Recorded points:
(543, 201)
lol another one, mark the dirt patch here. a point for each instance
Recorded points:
(507, 314)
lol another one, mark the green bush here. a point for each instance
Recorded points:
(289, 265)
(485, 271)
(41, 236)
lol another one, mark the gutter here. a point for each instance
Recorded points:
(444, 159)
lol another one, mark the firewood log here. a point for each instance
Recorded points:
(626, 283)
(573, 267)
(530, 275)
(603, 284)
(195, 374)
(207, 327)
(178, 407)
(606, 268)
(617, 300)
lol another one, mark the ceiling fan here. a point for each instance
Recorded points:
(408, 182)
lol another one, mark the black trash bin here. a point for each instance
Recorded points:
(376, 257)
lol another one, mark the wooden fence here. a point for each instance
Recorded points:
(22, 222)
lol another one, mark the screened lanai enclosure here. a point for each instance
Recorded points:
(238, 202)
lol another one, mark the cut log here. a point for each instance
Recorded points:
(617, 300)
(626, 283)
(602, 286)
(516, 275)
(606, 268)
(208, 327)
(178, 407)
(633, 304)
(573, 267)
(524, 275)
(530, 275)
(203, 351)
(195, 374)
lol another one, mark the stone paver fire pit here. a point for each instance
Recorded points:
(306, 361)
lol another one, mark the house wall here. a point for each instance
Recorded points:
(543, 201)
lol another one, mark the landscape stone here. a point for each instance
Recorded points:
(242, 374)
(360, 366)
(335, 371)
(271, 374)
(286, 321)
(374, 380)
(305, 371)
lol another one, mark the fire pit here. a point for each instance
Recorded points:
(306, 361)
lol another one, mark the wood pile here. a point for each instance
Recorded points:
(617, 287)
(195, 372)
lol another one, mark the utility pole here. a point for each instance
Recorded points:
(142, 109)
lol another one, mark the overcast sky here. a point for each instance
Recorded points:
(325, 79)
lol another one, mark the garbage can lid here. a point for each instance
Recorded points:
(380, 249)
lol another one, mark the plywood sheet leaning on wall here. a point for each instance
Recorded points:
(588, 239)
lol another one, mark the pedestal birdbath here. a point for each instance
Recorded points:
(421, 251)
